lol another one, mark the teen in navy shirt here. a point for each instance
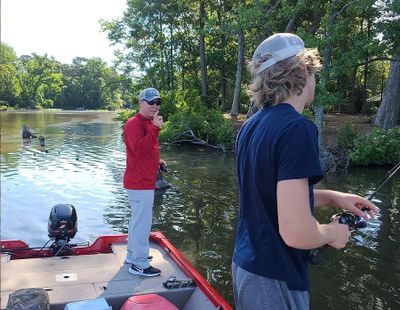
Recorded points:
(277, 167)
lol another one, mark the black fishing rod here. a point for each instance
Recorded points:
(350, 219)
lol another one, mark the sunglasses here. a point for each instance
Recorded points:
(154, 102)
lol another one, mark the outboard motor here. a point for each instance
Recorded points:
(63, 223)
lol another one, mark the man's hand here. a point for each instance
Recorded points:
(158, 120)
(163, 165)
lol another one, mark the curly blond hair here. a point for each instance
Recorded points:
(283, 79)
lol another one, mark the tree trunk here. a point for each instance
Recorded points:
(289, 26)
(319, 112)
(388, 112)
(223, 90)
(316, 17)
(204, 83)
(162, 56)
(171, 59)
(366, 69)
(239, 69)
(319, 120)
(221, 102)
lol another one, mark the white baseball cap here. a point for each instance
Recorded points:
(275, 48)
(149, 94)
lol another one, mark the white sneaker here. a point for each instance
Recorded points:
(148, 272)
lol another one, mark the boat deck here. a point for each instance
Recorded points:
(74, 278)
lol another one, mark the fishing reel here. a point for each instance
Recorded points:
(351, 220)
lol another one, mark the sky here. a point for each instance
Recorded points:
(63, 29)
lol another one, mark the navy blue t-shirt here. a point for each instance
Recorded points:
(276, 144)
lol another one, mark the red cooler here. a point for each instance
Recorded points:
(148, 302)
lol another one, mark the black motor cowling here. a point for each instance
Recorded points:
(63, 222)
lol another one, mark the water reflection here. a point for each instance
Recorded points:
(367, 273)
(84, 167)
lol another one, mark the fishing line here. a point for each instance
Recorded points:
(189, 185)
(353, 221)
(383, 181)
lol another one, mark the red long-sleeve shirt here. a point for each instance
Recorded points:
(142, 153)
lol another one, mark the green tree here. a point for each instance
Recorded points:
(90, 84)
(149, 32)
(41, 80)
(72, 93)
(9, 84)
(161, 43)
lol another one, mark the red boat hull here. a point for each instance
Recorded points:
(20, 250)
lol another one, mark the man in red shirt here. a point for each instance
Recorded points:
(142, 163)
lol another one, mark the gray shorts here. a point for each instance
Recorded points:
(252, 291)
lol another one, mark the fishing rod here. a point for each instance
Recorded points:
(383, 181)
(353, 221)
(189, 185)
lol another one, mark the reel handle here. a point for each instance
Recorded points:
(353, 221)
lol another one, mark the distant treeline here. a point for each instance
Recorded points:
(35, 81)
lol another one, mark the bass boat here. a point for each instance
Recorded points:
(83, 276)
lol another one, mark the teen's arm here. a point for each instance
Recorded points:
(297, 226)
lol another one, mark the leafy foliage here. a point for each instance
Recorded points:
(206, 124)
(157, 45)
(169, 105)
(378, 148)
(35, 81)
(190, 115)
(346, 136)
(10, 87)
(90, 84)
(309, 113)
(123, 116)
(40, 81)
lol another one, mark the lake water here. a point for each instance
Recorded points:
(84, 164)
